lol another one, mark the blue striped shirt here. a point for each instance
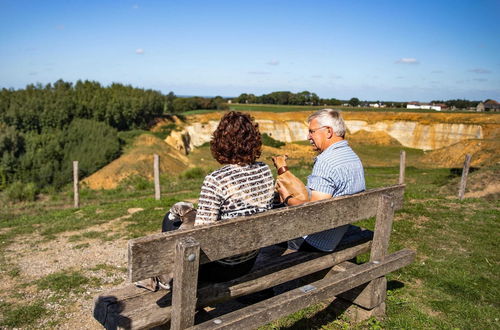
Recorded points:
(337, 171)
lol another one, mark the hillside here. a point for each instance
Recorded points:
(396, 131)
(138, 160)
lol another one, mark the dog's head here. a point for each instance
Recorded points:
(280, 161)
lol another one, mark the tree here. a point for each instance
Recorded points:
(354, 102)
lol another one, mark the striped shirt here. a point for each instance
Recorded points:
(337, 171)
(234, 191)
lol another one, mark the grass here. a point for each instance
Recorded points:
(452, 283)
(64, 282)
(22, 315)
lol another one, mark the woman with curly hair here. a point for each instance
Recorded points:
(242, 186)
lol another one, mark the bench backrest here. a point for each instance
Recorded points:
(154, 254)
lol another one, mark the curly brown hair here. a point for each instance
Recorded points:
(236, 140)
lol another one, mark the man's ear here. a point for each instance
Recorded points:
(331, 133)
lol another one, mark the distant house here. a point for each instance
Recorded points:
(425, 106)
(488, 105)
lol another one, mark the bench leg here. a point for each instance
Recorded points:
(369, 299)
(186, 264)
(357, 313)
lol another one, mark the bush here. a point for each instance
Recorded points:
(193, 173)
(18, 192)
(270, 142)
(136, 183)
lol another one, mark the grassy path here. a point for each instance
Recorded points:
(53, 261)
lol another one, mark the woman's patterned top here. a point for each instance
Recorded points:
(234, 191)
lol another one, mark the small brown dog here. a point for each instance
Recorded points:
(295, 187)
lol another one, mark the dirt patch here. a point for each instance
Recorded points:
(483, 183)
(138, 161)
(378, 138)
(36, 258)
(484, 153)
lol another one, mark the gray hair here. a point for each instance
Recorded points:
(330, 118)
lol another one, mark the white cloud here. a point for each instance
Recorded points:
(273, 62)
(135, 6)
(437, 71)
(407, 60)
(139, 51)
(317, 76)
(480, 79)
(480, 71)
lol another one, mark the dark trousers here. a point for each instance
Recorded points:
(213, 271)
(300, 244)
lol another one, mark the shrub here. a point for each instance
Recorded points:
(18, 191)
(270, 142)
(193, 173)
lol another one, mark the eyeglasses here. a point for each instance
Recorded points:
(312, 131)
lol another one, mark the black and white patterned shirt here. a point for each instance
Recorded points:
(234, 191)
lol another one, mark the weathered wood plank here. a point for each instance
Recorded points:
(138, 308)
(186, 262)
(368, 295)
(375, 292)
(463, 180)
(256, 281)
(292, 301)
(156, 171)
(402, 166)
(383, 227)
(249, 233)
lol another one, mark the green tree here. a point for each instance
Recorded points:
(354, 102)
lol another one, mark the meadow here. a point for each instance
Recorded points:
(54, 259)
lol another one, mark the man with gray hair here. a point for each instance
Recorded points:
(337, 171)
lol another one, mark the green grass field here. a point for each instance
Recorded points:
(451, 285)
(296, 108)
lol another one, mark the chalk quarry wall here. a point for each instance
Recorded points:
(421, 131)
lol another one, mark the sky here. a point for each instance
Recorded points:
(373, 50)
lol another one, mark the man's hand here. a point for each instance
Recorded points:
(282, 190)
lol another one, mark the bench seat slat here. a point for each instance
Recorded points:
(297, 299)
(253, 232)
(130, 307)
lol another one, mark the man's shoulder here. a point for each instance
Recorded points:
(337, 154)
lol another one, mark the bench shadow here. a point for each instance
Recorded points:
(394, 285)
(105, 306)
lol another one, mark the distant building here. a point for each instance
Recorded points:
(425, 106)
(488, 105)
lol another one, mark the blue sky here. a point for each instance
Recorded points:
(373, 50)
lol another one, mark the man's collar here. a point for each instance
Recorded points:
(336, 145)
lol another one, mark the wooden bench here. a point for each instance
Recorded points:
(318, 276)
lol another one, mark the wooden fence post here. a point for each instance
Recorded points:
(76, 194)
(157, 176)
(465, 173)
(186, 266)
(402, 166)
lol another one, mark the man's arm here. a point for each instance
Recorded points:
(315, 196)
